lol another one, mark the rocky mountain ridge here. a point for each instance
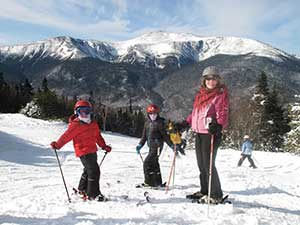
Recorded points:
(159, 67)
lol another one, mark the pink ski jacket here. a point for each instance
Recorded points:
(217, 108)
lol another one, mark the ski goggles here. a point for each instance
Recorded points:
(84, 110)
(212, 77)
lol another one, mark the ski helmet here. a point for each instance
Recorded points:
(82, 103)
(152, 108)
(246, 137)
(210, 70)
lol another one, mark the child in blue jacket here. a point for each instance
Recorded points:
(247, 149)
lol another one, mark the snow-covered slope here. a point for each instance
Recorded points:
(61, 48)
(32, 192)
(151, 46)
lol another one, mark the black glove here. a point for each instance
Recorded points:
(182, 126)
(214, 127)
(179, 149)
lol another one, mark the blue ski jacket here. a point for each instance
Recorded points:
(247, 147)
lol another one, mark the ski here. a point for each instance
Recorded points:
(147, 196)
(80, 194)
(143, 185)
(84, 197)
(224, 201)
(146, 200)
(196, 196)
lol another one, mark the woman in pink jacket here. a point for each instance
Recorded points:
(208, 118)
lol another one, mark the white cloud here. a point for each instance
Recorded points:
(120, 19)
(68, 15)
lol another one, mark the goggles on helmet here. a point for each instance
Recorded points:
(83, 110)
(211, 77)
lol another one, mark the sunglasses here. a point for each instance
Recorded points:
(84, 110)
(212, 77)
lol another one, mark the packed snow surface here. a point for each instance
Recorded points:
(32, 191)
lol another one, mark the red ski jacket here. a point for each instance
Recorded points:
(85, 136)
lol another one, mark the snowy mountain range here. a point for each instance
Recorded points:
(150, 49)
(160, 67)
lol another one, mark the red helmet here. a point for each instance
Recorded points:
(82, 103)
(152, 108)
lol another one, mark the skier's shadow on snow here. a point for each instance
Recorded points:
(84, 218)
(17, 150)
(259, 191)
(248, 205)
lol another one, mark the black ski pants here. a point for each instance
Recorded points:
(249, 159)
(202, 145)
(151, 167)
(89, 181)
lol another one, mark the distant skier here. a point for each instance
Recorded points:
(247, 149)
(155, 134)
(85, 133)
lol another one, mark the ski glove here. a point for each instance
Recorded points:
(178, 149)
(54, 145)
(183, 126)
(107, 148)
(214, 127)
(138, 148)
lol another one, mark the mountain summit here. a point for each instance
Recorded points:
(159, 67)
(154, 49)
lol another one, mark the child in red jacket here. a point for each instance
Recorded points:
(85, 134)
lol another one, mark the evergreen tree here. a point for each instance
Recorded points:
(138, 123)
(270, 121)
(45, 85)
(276, 122)
(2, 82)
(262, 86)
(258, 110)
(26, 92)
(292, 140)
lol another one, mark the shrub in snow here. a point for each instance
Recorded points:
(32, 110)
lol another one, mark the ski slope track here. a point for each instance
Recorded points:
(32, 191)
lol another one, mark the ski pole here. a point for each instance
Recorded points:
(171, 171)
(102, 159)
(141, 157)
(256, 161)
(173, 181)
(210, 170)
(69, 199)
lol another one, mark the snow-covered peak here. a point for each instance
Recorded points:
(60, 48)
(239, 46)
(161, 36)
(153, 46)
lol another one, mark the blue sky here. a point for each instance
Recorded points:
(275, 22)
